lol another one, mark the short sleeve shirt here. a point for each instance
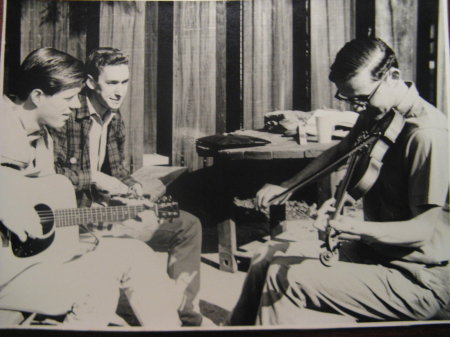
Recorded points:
(415, 169)
(415, 173)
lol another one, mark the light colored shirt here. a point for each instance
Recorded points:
(98, 135)
(415, 169)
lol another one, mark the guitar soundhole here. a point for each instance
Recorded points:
(33, 246)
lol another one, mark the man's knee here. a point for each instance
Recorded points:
(265, 254)
(297, 272)
(114, 247)
(191, 226)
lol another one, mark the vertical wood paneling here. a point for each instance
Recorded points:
(262, 62)
(11, 56)
(122, 26)
(194, 78)
(48, 24)
(221, 69)
(248, 64)
(234, 108)
(151, 76)
(443, 60)
(301, 82)
(165, 79)
(267, 59)
(282, 46)
(332, 25)
(396, 24)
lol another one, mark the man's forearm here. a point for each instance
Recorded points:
(409, 233)
(325, 159)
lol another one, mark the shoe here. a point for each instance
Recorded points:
(207, 322)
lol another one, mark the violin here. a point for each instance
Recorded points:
(363, 169)
(369, 163)
(364, 163)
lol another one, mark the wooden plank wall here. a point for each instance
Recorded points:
(122, 26)
(151, 76)
(267, 59)
(194, 101)
(194, 78)
(332, 25)
(443, 63)
(396, 24)
(50, 24)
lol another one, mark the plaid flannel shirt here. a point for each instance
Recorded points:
(71, 149)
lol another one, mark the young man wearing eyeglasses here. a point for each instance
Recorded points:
(376, 281)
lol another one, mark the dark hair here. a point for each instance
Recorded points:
(357, 54)
(50, 70)
(102, 57)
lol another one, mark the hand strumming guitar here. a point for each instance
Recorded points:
(109, 184)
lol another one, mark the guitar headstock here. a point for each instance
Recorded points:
(167, 208)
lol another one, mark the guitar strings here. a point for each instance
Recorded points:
(90, 212)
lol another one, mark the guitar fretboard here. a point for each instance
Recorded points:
(78, 216)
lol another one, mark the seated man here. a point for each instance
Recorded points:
(89, 150)
(78, 279)
(382, 282)
(395, 270)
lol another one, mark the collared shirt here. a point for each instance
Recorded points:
(98, 136)
(72, 151)
(415, 173)
(22, 146)
(415, 168)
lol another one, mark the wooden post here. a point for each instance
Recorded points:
(227, 245)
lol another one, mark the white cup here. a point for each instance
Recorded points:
(325, 128)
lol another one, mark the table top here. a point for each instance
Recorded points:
(280, 147)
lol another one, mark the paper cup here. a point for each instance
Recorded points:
(324, 127)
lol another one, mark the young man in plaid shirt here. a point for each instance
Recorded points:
(89, 150)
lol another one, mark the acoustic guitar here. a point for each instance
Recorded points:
(54, 200)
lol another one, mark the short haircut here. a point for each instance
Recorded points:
(359, 53)
(102, 57)
(50, 70)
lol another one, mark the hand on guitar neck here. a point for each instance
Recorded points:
(51, 219)
(144, 224)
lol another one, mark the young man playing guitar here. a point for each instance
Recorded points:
(78, 278)
(89, 150)
(377, 277)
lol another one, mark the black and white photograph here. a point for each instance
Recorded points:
(216, 166)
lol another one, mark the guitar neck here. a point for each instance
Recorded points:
(79, 216)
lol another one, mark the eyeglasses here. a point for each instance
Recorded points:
(360, 99)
